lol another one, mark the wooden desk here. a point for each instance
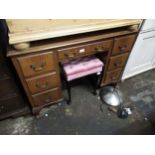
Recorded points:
(37, 47)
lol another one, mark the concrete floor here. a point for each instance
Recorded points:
(84, 115)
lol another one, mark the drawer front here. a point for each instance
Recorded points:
(44, 82)
(113, 76)
(117, 62)
(102, 46)
(72, 53)
(47, 97)
(123, 44)
(80, 51)
(37, 63)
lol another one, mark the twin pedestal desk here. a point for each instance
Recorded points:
(37, 47)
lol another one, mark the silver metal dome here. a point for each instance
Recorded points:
(111, 96)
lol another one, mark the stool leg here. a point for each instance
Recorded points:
(69, 92)
(95, 89)
(95, 86)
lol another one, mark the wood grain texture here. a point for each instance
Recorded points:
(106, 44)
(68, 41)
(24, 80)
(46, 97)
(113, 76)
(117, 61)
(123, 44)
(27, 30)
(37, 63)
(73, 52)
(43, 82)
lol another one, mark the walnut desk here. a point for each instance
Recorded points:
(37, 46)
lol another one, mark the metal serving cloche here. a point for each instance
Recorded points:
(111, 96)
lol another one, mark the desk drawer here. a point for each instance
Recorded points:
(47, 97)
(102, 46)
(43, 82)
(37, 63)
(72, 53)
(123, 44)
(113, 76)
(84, 50)
(117, 62)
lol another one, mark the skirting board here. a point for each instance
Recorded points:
(138, 71)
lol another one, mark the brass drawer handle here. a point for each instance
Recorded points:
(69, 55)
(113, 78)
(42, 85)
(38, 68)
(122, 48)
(100, 49)
(118, 64)
(47, 100)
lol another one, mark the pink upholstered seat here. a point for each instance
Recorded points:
(82, 67)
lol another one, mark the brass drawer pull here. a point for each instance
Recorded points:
(113, 78)
(42, 86)
(100, 49)
(118, 64)
(69, 55)
(122, 48)
(38, 68)
(48, 100)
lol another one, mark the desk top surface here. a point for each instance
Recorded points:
(26, 30)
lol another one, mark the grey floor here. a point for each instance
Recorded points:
(84, 117)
